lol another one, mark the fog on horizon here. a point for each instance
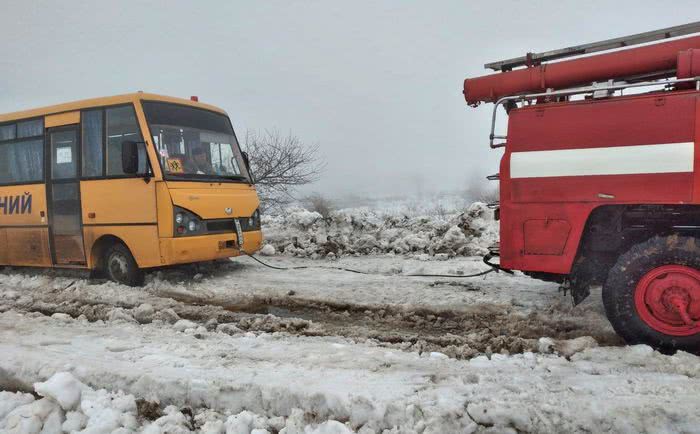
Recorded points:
(377, 85)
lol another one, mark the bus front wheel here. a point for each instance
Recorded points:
(121, 267)
(652, 294)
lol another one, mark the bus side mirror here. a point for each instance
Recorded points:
(130, 157)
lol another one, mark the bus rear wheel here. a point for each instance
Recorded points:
(652, 294)
(120, 266)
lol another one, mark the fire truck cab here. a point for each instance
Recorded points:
(599, 180)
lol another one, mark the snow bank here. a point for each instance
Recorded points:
(282, 384)
(68, 406)
(353, 231)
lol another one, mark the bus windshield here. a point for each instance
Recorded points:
(194, 143)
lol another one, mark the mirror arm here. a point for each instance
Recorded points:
(149, 170)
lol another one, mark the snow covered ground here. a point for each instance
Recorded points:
(234, 347)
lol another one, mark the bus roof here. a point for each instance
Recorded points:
(103, 101)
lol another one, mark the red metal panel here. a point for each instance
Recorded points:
(638, 188)
(696, 167)
(545, 236)
(570, 73)
(513, 251)
(633, 120)
(688, 64)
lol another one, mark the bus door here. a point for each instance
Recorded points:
(63, 196)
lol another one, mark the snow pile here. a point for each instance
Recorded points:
(160, 380)
(362, 231)
(65, 405)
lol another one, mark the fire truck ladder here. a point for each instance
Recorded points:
(531, 59)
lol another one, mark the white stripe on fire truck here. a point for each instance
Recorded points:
(616, 160)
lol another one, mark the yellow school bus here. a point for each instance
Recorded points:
(122, 184)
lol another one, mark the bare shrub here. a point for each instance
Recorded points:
(319, 203)
(440, 211)
(280, 164)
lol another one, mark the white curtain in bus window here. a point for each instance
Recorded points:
(24, 161)
(30, 128)
(92, 143)
(8, 132)
(122, 126)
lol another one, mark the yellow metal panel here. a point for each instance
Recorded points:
(23, 205)
(210, 200)
(165, 210)
(252, 241)
(184, 250)
(142, 241)
(104, 101)
(28, 246)
(4, 260)
(62, 119)
(127, 200)
(26, 240)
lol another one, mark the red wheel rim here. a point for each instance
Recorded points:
(668, 300)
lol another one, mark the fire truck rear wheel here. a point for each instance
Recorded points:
(120, 266)
(652, 294)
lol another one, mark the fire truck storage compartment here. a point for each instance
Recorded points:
(584, 154)
(545, 236)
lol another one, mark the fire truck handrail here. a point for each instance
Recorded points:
(574, 91)
(608, 44)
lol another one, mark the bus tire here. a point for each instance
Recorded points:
(652, 294)
(120, 266)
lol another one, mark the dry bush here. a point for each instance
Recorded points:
(319, 203)
(280, 164)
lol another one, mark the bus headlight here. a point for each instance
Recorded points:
(186, 223)
(251, 223)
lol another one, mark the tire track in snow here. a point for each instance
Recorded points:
(480, 329)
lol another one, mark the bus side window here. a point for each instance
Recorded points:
(22, 154)
(8, 132)
(24, 160)
(121, 126)
(92, 143)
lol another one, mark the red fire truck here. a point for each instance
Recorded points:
(600, 179)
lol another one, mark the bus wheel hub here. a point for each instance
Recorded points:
(667, 299)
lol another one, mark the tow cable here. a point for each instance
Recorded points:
(350, 270)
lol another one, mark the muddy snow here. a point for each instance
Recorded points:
(235, 347)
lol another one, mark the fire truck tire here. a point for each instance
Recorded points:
(652, 294)
(121, 267)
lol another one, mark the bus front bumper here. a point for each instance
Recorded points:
(184, 250)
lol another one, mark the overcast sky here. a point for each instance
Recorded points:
(377, 85)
